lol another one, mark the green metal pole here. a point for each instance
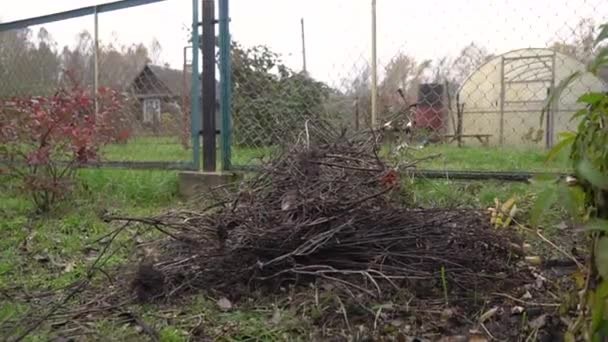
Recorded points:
(374, 68)
(195, 91)
(226, 84)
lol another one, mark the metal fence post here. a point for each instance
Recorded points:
(374, 67)
(303, 48)
(96, 61)
(195, 91)
(226, 84)
(553, 108)
(501, 127)
(209, 98)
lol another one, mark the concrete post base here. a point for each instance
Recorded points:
(193, 183)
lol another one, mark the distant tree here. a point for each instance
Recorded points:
(456, 70)
(45, 64)
(77, 64)
(118, 65)
(453, 72)
(358, 94)
(156, 52)
(15, 48)
(135, 56)
(402, 72)
(580, 44)
(351, 101)
(112, 67)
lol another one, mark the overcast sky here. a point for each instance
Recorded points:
(337, 31)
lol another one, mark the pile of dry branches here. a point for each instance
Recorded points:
(329, 208)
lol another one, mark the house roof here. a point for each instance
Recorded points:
(172, 80)
(164, 81)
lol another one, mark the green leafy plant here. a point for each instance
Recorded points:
(269, 98)
(587, 201)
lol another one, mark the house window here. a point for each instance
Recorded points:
(151, 110)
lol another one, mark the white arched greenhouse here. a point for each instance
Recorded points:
(504, 97)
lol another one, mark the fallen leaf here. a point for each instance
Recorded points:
(533, 260)
(538, 322)
(447, 314)
(26, 244)
(477, 338)
(276, 317)
(488, 314)
(224, 304)
(579, 279)
(42, 258)
(540, 281)
(401, 338)
(457, 338)
(516, 310)
(397, 322)
(388, 306)
(571, 181)
(288, 200)
(506, 207)
(69, 267)
(90, 253)
(516, 248)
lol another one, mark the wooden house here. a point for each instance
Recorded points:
(161, 90)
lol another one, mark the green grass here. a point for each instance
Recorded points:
(450, 157)
(443, 193)
(133, 188)
(493, 159)
(49, 252)
(170, 150)
(147, 149)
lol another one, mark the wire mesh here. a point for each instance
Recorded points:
(142, 56)
(464, 79)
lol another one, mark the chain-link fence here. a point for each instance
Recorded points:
(139, 60)
(466, 80)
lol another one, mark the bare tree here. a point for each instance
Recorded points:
(456, 70)
(405, 73)
(580, 43)
(45, 63)
(77, 64)
(119, 65)
(453, 72)
(15, 48)
(156, 52)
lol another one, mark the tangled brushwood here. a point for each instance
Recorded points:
(329, 209)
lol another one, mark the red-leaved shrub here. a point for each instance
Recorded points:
(43, 140)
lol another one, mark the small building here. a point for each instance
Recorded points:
(504, 97)
(163, 90)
